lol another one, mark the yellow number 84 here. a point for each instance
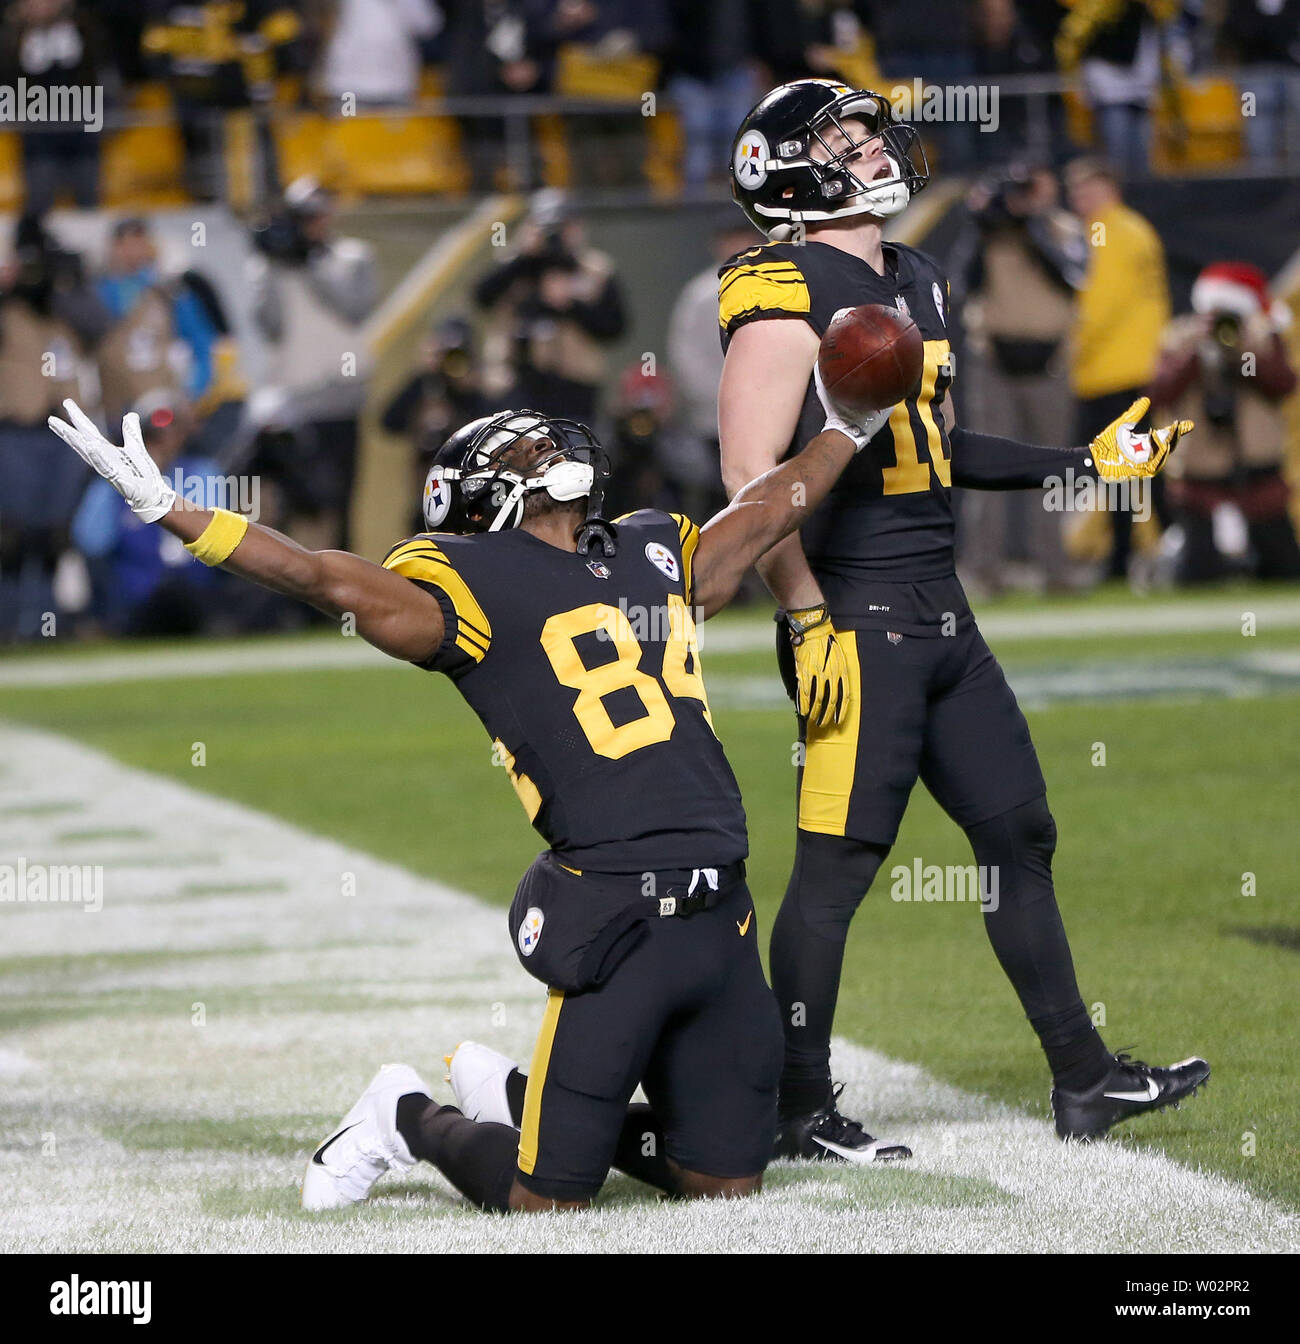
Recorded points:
(624, 673)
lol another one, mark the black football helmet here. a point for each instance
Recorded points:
(470, 488)
(778, 183)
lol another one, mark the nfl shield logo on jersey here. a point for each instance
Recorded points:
(599, 568)
(530, 931)
(893, 637)
(662, 559)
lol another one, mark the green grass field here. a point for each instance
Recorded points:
(1200, 729)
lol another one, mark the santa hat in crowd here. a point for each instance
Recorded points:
(1242, 289)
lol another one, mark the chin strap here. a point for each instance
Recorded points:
(594, 528)
(564, 480)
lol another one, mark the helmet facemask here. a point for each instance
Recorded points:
(845, 192)
(785, 175)
(496, 492)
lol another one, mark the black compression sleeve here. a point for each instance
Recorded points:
(987, 462)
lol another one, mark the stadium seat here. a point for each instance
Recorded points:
(144, 165)
(667, 145)
(389, 155)
(581, 71)
(375, 154)
(1199, 126)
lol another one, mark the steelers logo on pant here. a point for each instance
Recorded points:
(530, 930)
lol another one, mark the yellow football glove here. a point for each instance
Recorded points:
(1120, 454)
(821, 669)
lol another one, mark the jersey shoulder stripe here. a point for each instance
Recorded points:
(688, 536)
(423, 560)
(761, 282)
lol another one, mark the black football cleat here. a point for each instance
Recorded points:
(1130, 1088)
(824, 1135)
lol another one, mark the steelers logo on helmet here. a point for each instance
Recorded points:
(490, 467)
(750, 159)
(437, 498)
(839, 151)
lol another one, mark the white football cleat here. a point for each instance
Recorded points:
(478, 1078)
(366, 1144)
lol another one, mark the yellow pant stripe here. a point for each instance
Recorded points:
(528, 1134)
(831, 758)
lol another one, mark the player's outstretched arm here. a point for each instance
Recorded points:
(775, 505)
(391, 613)
(986, 462)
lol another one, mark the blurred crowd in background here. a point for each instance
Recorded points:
(1155, 82)
(1058, 336)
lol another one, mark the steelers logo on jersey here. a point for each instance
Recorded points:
(937, 294)
(750, 162)
(530, 930)
(663, 560)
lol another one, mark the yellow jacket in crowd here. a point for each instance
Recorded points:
(1123, 308)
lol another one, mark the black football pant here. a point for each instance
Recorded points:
(937, 709)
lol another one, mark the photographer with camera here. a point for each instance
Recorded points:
(312, 292)
(1225, 363)
(554, 308)
(1022, 260)
(443, 393)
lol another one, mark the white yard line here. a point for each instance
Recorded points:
(299, 655)
(309, 964)
(1071, 622)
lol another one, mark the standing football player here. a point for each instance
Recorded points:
(892, 679)
(573, 641)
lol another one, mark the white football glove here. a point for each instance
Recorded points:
(128, 469)
(862, 429)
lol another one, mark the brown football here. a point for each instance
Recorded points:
(871, 357)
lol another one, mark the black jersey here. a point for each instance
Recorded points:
(586, 674)
(881, 544)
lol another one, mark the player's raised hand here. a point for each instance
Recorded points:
(1121, 454)
(128, 468)
(861, 429)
